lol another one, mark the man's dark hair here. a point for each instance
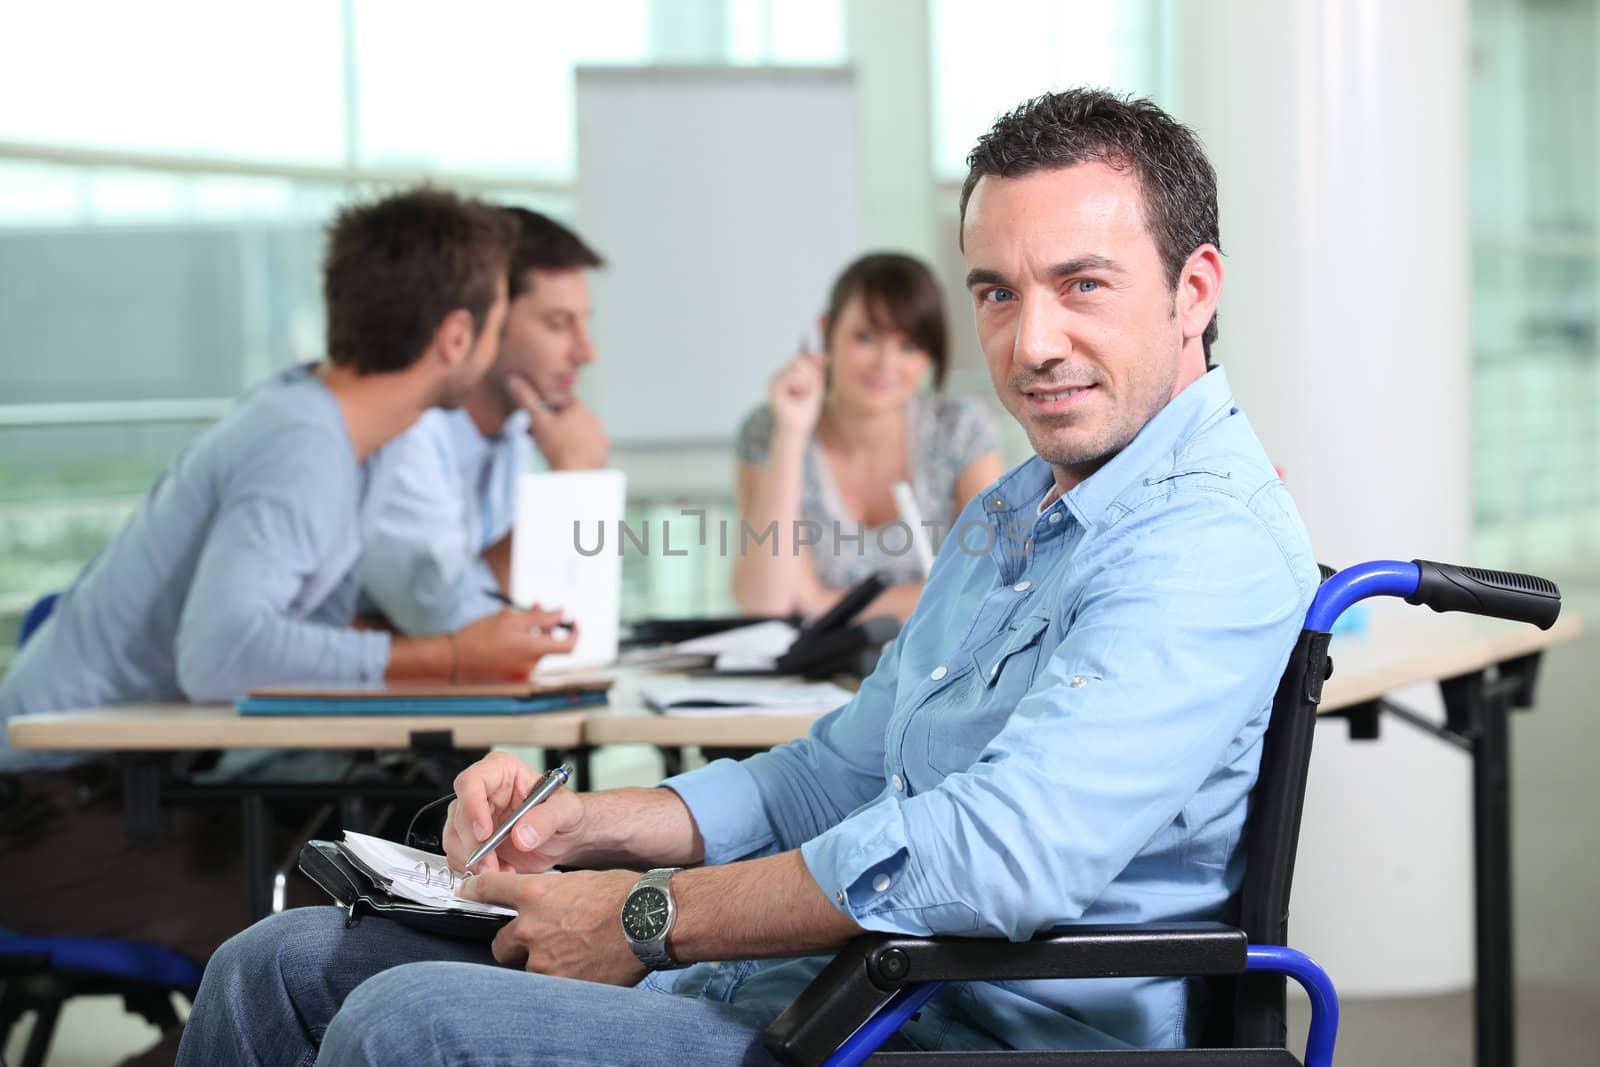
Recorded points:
(545, 244)
(1092, 126)
(898, 293)
(394, 268)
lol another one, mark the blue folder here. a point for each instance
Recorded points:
(420, 700)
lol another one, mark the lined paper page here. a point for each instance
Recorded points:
(420, 877)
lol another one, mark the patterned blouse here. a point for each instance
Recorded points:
(945, 434)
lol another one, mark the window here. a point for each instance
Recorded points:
(987, 57)
(1535, 363)
(496, 97)
(177, 76)
(166, 171)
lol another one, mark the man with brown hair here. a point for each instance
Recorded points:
(1067, 730)
(235, 571)
(442, 546)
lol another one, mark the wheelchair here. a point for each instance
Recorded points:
(878, 981)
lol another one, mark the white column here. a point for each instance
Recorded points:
(1338, 132)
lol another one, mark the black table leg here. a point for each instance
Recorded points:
(141, 794)
(257, 862)
(353, 813)
(1478, 709)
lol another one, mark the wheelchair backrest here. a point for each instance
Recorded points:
(1249, 1010)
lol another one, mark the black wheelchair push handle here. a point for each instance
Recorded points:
(1500, 594)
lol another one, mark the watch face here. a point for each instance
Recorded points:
(644, 916)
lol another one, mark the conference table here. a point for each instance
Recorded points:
(146, 738)
(1485, 669)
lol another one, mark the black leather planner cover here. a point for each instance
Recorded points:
(360, 892)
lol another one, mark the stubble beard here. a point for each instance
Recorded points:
(1073, 455)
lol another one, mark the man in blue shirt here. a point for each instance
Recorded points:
(1066, 730)
(441, 547)
(235, 571)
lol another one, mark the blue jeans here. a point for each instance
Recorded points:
(299, 988)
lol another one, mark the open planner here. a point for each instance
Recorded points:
(371, 876)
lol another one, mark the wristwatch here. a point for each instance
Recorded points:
(647, 917)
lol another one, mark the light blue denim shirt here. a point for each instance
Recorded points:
(1067, 730)
(449, 493)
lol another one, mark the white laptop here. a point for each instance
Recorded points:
(555, 564)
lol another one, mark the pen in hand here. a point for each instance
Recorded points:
(552, 781)
(513, 605)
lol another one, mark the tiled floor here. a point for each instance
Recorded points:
(1557, 846)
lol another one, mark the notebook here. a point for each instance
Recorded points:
(745, 696)
(566, 553)
(368, 875)
(514, 698)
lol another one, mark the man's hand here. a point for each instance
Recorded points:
(487, 793)
(568, 925)
(570, 439)
(507, 645)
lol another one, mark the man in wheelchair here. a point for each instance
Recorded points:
(1066, 731)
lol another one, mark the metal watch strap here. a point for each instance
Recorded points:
(653, 953)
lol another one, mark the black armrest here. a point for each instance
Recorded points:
(868, 970)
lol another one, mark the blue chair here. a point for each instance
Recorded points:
(879, 980)
(40, 974)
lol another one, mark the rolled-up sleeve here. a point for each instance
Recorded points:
(1169, 661)
(728, 810)
(774, 801)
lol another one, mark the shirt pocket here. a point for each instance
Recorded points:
(1003, 670)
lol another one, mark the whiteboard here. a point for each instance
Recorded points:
(724, 201)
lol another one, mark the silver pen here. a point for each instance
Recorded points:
(552, 781)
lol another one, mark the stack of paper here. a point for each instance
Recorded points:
(715, 696)
(745, 648)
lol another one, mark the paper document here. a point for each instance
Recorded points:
(745, 648)
(743, 696)
(664, 658)
(420, 877)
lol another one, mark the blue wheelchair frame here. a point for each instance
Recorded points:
(879, 981)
